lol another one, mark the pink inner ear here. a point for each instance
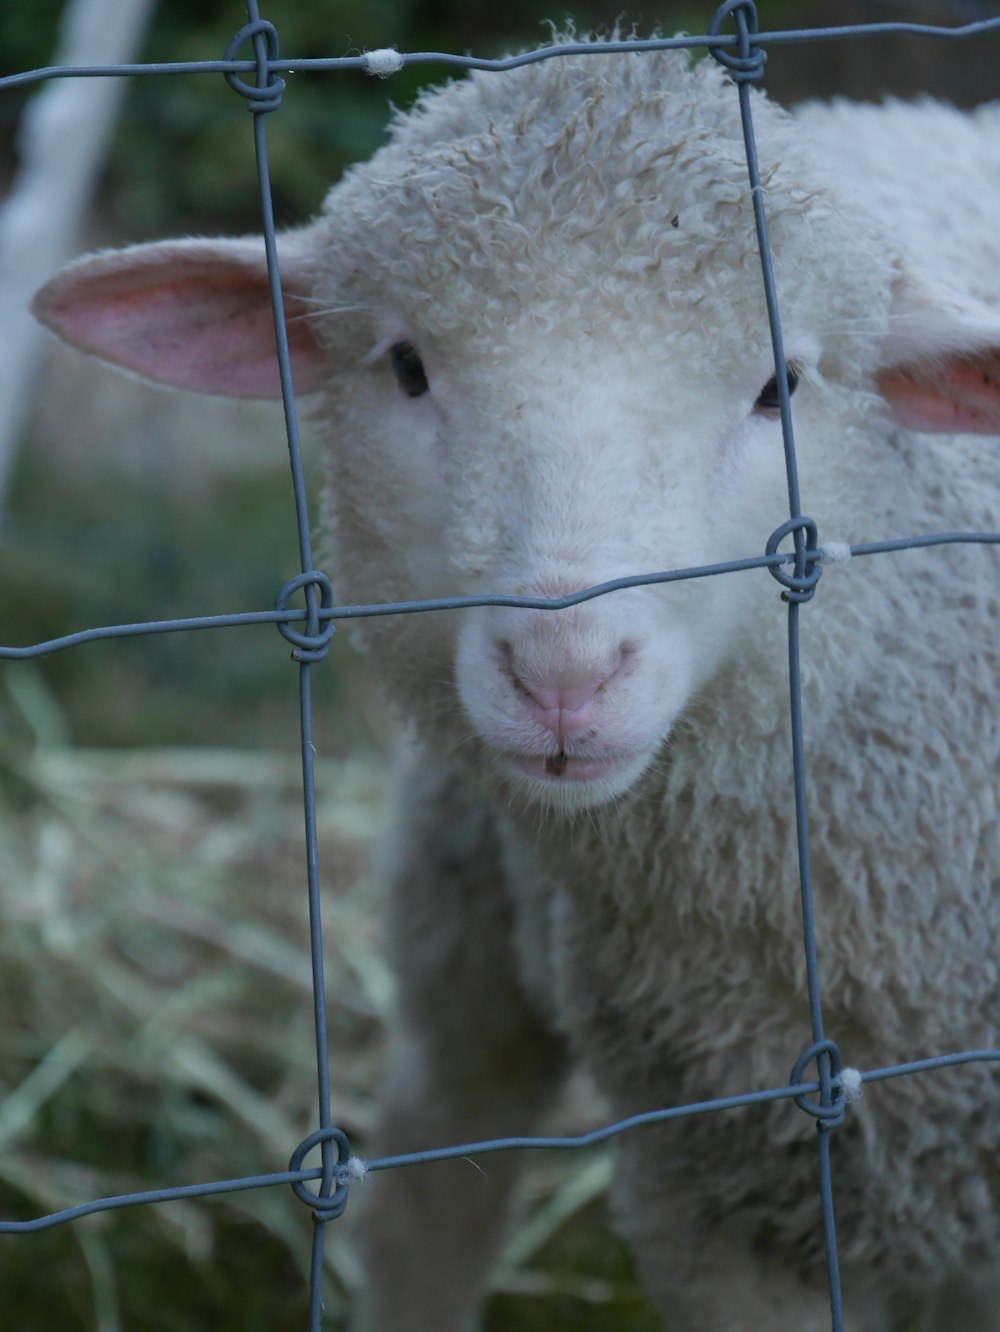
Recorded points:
(192, 315)
(959, 395)
(215, 334)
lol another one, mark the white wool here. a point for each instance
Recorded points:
(836, 552)
(851, 1085)
(522, 234)
(356, 1168)
(383, 62)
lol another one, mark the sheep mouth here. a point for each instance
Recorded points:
(570, 769)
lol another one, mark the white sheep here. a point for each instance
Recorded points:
(535, 331)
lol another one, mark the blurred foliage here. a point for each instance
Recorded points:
(110, 549)
(195, 127)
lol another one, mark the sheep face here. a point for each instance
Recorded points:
(539, 470)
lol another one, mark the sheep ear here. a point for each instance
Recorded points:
(195, 314)
(941, 369)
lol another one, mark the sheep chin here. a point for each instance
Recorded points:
(572, 783)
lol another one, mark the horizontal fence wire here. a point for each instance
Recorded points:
(361, 612)
(445, 59)
(823, 1096)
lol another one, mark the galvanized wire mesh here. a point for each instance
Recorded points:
(818, 1084)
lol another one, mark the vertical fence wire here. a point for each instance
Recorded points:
(746, 66)
(266, 97)
(797, 571)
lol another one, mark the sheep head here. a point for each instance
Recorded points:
(534, 333)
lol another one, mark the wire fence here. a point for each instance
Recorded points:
(819, 1084)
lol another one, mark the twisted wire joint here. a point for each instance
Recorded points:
(314, 643)
(331, 1198)
(800, 582)
(265, 94)
(746, 63)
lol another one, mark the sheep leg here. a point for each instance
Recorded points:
(469, 1060)
(699, 1279)
(970, 1302)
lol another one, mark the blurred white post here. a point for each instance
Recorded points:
(62, 141)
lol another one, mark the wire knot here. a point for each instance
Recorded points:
(265, 94)
(827, 1111)
(314, 643)
(746, 63)
(800, 582)
(329, 1201)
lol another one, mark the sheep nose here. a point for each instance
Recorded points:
(563, 699)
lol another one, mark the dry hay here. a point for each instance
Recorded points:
(157, 1030)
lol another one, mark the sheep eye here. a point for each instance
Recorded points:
(409, 369)
(768, 399)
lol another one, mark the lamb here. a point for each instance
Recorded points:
(534, 331)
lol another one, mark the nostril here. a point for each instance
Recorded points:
(562, 694)
(505, 655)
